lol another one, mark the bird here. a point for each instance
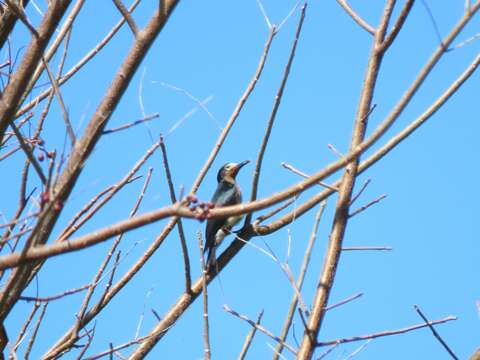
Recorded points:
(227, 193)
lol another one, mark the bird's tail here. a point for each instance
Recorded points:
(211, 259)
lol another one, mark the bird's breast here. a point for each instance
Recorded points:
(233, 220)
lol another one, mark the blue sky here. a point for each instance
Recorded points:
(211, 49)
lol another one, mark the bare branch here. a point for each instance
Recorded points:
(332, 256)
(22, 16)
(29, 153)
(58, 94)
(345, 301)
(249, 338)
(181, 233)
(366, 206)
(13, 92)
(435, 333)
(476, 355)
(35, 330)
(274, 212)
(206, 331)
(54, 297)
(301, 277)
(273, 114)
(398, 24)
(264, 13)
(385, 333)
(360, 192)
(302, 174)
(128, 17)
(92, 207)
(434, 23)
(130, 124)
(261, 328)
(80, 64)
(356, 17)
(367, 248)
(21, 333)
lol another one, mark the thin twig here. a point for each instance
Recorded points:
(468, 41)
(304, 175)
(356, 17)
(58, 94)
(345, 301)
(360, 192)
(206, 331)
(334, 150)
(249, 338)
(128, 17)
(434, 23)
(93, 207)
(22, 16)
(79, 65)
(290, 13)
(114, 349)
(356, 351)
(236, 112)
(261, 328)
(28, 151)
(300, 279)
(130, 124)
(274, 212)
(93, 201)
(264, 13)
(181, 233)
(188, 114)
(25, 326)
(90, 335)
(326, 352)
(199, 102)
(273, 114)
(16, 221)
(385, 333)
(366, 206)
(367, 248)
(407, 7)
(35, 331)
(435, 333)
(98, 276)
(54, 297)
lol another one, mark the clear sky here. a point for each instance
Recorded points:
(211, 49)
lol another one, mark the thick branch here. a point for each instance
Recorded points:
(340, 221)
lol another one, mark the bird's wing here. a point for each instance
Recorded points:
(219, 199)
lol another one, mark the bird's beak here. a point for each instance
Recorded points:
(239, 166)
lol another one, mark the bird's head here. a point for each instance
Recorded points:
(229, 171)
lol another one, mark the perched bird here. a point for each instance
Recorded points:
(227, 193)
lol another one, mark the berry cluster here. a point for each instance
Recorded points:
(200, 208)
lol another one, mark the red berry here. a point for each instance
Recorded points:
(192, 198)
(40, 157)
(210, 205)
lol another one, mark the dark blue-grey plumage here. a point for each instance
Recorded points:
(227, 193)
